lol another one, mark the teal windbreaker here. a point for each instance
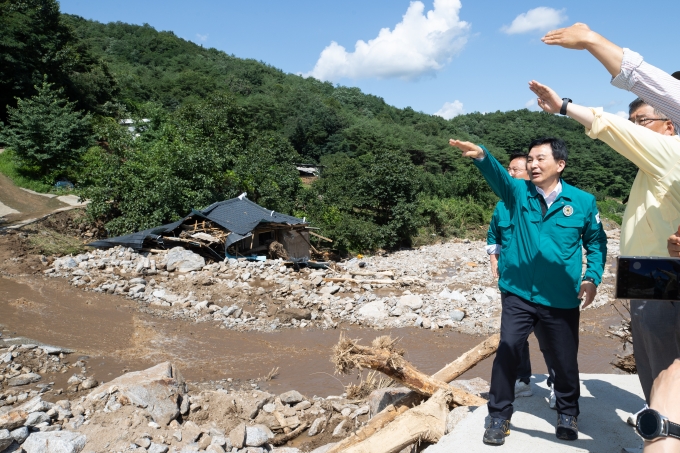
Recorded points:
(542, 261)
(499, 230)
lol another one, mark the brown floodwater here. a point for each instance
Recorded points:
(116, 337)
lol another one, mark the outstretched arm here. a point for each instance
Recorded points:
(627, 68)
(579, 36)
(550, 102)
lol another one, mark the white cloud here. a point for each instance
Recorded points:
(530, 104)
(450, 109)
(420, 44)
(537, 19)
(201, 37)
(622, 114)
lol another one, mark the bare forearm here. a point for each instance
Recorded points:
(608, 53)
(583, 115)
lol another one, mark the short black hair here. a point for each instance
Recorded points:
(637, 103)
(517, 155)
(559, 148)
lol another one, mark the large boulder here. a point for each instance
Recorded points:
(23, 379)
(157, 389)
(373, 310)
(410, 301)
(13, 420)
(184, 260)
(55, 442)
(6, 439)
(381, 398)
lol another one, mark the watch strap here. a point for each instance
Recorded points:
(563, 110)
(673, 430)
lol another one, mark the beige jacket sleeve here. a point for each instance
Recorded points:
(651, 152)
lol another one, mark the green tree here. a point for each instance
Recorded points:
(34, 41)
(46, 133)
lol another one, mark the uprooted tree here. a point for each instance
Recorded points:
(406, 421)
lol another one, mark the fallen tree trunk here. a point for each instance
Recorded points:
(426, 423)
(391, 412)
(383, 356)
(468, 360)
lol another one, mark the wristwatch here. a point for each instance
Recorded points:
(563, 110)
(652, 426)
(588, 279)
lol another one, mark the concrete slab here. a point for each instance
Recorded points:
(606, 402)
(6, 210)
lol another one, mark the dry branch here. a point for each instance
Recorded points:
(387, 415)
(384, 356)
(281, 439)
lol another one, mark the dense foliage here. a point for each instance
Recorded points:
(220, 126)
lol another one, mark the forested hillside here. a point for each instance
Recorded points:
(221, 125)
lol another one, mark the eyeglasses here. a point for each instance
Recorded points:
(645, 121)
(516, 169)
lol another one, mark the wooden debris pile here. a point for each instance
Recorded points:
(407, 421)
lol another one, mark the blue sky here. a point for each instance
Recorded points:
(474, 64)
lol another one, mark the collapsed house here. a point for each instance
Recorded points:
(226, 229)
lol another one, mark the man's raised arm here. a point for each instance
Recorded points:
(495, 174)
(627, 68)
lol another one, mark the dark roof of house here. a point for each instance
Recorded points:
(238, 215)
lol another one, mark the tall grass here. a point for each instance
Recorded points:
(9, 168)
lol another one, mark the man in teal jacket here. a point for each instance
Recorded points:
(542, 281)
(497, 236)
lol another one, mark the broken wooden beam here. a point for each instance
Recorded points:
(425, 423)
(281, 439)
(468, 360)
(411, 399)
(385, 357)
(319, 236)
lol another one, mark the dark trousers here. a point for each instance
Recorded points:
(560, 339)
(524, 368)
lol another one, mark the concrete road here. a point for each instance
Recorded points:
(606, 402)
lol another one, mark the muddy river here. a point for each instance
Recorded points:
(116, 337)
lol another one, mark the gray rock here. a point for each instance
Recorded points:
(6, 357)
(184, 260)
(324, 448)
(23, 379)
(157, 448)
(339, 430)
(410, 301)
(257, 435)
(20, 434)
(457, 315)
(89, 383)
(156, 389)
(237, 436)
(286, 450)
(317, 425)
(136, 289)
(37, 418)
(373, 310)
(291, 397)
(68, 262)
(143, 442)
(213, 448)
(137, 281)
(13, 420)
(6, 439)
(456, 415)
(329, 289)
(55, 442)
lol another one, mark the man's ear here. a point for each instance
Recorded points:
(561, 165)
(670, 128)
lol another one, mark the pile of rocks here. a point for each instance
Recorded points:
(440, 286)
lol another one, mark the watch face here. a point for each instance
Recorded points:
(649, 425)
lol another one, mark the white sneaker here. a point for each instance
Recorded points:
(552, 402)
(522, 389)
(632, 419)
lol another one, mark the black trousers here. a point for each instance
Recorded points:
(559, 338)
(524, 367)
